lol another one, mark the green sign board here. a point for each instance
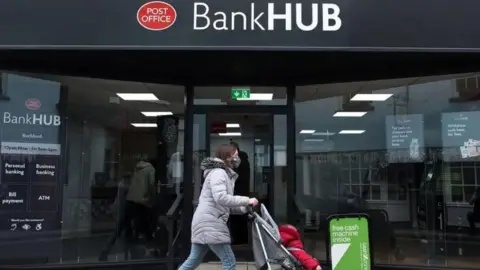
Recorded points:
(240, 93)
(350, 243)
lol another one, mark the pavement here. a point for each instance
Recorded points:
(87, 249)
(216, 265)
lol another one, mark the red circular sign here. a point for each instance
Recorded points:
(33, 104)
(156, 15)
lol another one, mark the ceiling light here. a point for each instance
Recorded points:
(230, 134)
(349, 114)
(144, 125)
(371, 97)
(314, 140)
(257, 140)
(307, 131)
(353, 131)
(323, 133)
(258, 96)
(154, 114)
(137, 96)
(233, 125)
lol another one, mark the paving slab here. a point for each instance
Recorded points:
(217, 265)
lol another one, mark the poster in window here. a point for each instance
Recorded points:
(405, 139)
(461, 136)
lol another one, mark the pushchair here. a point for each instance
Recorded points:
(268, 251)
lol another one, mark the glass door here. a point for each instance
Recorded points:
(261, 139)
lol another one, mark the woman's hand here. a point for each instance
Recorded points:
(253, 201)
(318, 268)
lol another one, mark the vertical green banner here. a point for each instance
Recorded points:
(349, 243)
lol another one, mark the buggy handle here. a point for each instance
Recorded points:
(250, 209)
(251, 212)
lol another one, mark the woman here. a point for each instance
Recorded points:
(216, 202)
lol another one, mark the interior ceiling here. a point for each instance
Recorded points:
(92, 98)
(305, 93)
(250, 124)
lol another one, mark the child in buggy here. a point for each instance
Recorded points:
(277, 248)
(292, 241)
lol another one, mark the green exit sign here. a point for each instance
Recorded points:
(240, 93)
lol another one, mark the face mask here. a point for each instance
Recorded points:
(236, 161)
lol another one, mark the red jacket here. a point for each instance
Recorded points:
(291, 238)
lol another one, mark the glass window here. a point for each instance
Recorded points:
(405, 146)
(33, 169)
(74, 151)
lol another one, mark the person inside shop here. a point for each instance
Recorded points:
(239, 223)
(474, 216)
(141, 198)
(139, 201)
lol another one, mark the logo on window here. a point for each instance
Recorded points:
(33, 104)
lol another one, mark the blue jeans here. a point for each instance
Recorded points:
(197, 252)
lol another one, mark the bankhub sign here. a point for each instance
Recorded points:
(268, 25)
(305, 17)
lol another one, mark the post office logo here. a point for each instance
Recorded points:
(33, 104)
(156, 15)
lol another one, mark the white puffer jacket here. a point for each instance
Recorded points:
(216, 202)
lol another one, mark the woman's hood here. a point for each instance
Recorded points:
(210, 163)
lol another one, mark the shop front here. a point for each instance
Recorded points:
(336, 106)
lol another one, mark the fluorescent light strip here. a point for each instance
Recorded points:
(371, 97)
(314, 140)
(323, 133)
(137, 96)
(353, 131)
(349, 114)
(307, 131)
(154, 114)
(230, 134)
(144, 125)
(233, 125)
(258, 96)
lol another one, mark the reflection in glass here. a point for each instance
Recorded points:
(416, 162)
(469, 175)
